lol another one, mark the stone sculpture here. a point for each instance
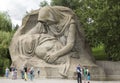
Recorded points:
(51, 38)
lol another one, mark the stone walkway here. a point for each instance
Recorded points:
(50, 81)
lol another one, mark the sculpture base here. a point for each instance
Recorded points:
(52, 71)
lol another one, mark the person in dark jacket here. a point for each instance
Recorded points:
(79, 74)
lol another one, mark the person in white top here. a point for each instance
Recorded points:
(6, 72)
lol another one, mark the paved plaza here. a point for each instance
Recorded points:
(3, 80)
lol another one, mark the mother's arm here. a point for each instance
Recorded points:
(70, 41)
(67, 48)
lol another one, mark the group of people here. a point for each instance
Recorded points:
(26, 73)
(83, 71)
(13, 72)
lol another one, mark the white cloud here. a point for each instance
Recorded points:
(17, 8)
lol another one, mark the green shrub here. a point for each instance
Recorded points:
(99, 53)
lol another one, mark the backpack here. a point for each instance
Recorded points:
(78, 69)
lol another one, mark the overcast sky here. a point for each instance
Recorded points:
(17, 8)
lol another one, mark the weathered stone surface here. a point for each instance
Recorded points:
(111, 68)
(52, 39)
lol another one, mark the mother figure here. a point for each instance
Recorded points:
(55, 39)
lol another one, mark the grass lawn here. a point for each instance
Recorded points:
(99, 53)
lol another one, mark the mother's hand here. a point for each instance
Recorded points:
(46, 58)
(51, 58)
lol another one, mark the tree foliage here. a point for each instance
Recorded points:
(5, 60)
(44, 3)
(6, 34)
(73, 4)
(100, 20)
(109, 32)
(5, 22)
(16, 27)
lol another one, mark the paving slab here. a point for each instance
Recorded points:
(50, 81)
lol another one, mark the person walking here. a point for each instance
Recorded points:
(38, 72)
(88, 76)
(28, 73)
(22, 72)
(12, 74)
(79, 74)
(15, 74)
(31, 73)
(7, 72)
(85, 74)
(25, 74)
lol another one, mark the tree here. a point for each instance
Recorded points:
(44, 3)
(109, 30)
(16, 27)
(100, 20)
(5, 22)
(5, 37)
(5, 60)
(73, 4)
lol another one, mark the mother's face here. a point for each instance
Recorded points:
(47, 16)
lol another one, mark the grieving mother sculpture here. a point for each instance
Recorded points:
(51, 38)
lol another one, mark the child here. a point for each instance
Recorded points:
(88, 77)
